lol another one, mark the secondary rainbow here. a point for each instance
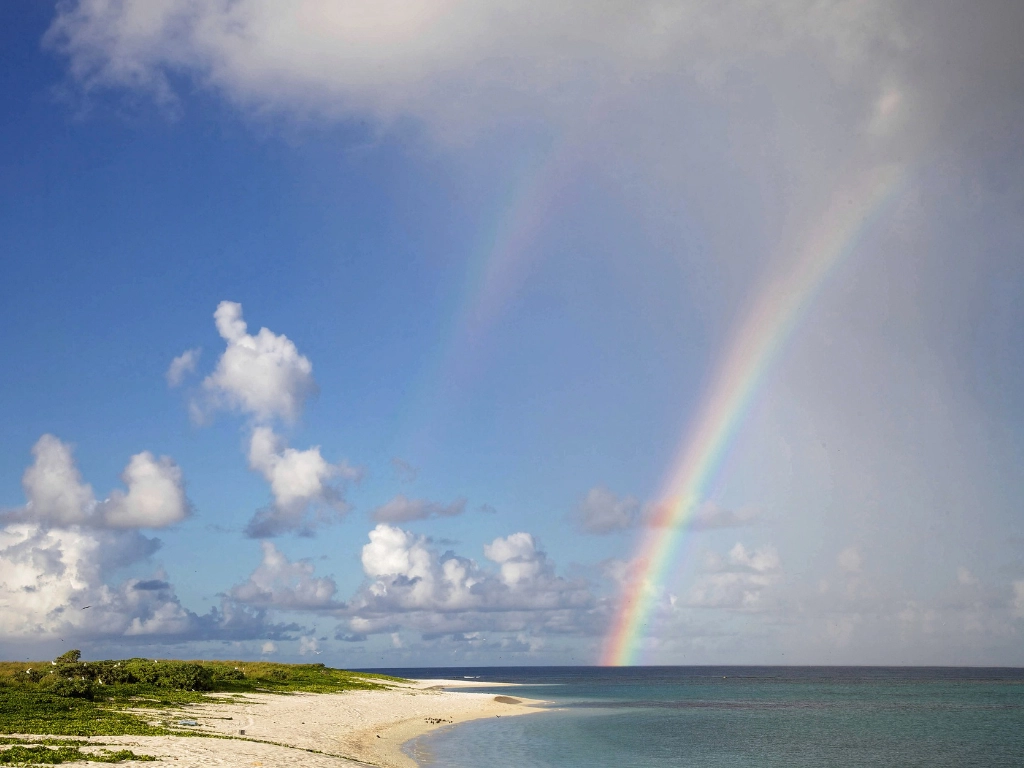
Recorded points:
(756, 343)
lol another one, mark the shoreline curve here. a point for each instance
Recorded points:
(320, 730)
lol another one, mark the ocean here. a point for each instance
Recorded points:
(721, 717)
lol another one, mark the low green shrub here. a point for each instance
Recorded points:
(71, 688)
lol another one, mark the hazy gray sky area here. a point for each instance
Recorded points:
(387, 322)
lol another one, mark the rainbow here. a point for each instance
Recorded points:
(496, 269)
(757, 342)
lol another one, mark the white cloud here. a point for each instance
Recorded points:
(965, 578)
(55, 584)
(601, 511)
(282, 584)
(518, 557)
(620, 572)
(265, 377)
(412, 586)
(262, 375)
(59, 552)
(155, 498)
(402, 509)
(849, 560)
(887, 110)
(763, 560)
(52, 583)
(181, 366)
(301, 482)
(57, 496)
(738, 580)
(445, 62)
(307, 645)
(53, 485)
(397, 553)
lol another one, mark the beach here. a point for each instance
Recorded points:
(320, 729)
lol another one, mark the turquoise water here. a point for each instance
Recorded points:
(741, 716)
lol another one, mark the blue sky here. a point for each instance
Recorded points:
(498, 258)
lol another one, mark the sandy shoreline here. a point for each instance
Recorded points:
(320, 729)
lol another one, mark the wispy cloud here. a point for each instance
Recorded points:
(181, 366)
(402, 509)
(603, 512)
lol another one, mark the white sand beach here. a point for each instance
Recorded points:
(320, 730)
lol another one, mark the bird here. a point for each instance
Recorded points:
(86, 606)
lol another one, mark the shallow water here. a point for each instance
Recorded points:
(720, 717)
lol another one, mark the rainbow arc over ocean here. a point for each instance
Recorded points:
(757, 342)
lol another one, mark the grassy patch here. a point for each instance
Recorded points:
(70, 697)
(40, 755)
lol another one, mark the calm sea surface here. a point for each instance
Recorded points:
(720, 717)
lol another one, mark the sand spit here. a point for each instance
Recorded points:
(319, 729)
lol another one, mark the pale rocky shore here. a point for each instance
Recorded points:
(319, 729)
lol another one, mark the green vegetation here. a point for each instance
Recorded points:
(37, 752)
(71, 697)
(39, 755)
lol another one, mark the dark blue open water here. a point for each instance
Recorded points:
(720, 717)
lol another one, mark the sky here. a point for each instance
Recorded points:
(433, 333)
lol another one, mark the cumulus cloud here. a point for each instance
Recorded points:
(60, 551)
(263, 376)
(181, 366)
(519, 559)
(412, 585)
(285, 585)
(737, 580)
(155, 497)
(57, 496)
(306, 488)
(402, 509)
(394, 552)
(53, 485)
(54, 584)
